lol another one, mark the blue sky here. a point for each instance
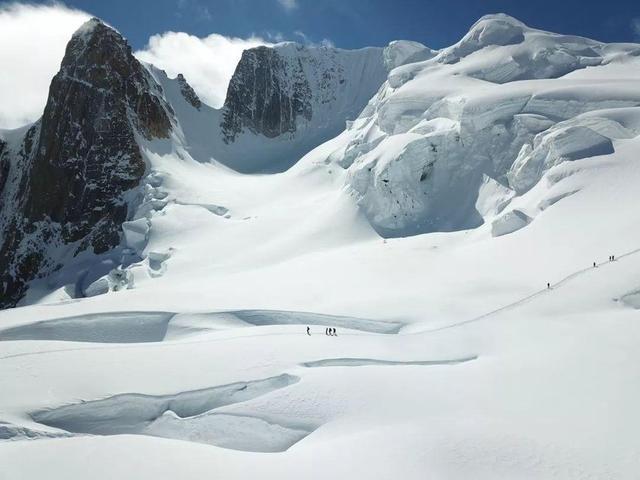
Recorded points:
(204, 39)
(357, 23)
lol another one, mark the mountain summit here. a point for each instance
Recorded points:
(71, 175)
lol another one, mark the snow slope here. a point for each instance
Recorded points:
(453, 359)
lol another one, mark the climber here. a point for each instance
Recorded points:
(548, 285)
(308, 331)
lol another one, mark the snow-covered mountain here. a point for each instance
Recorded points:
(485, 118)
(283, 101)
(73, 178)
(452, 213)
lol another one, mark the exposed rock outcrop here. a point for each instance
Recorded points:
(266, 95)
(297, 91)
(188, 92)
(72, 177)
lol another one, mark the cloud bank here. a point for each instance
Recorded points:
(207, 63)
(33, 40)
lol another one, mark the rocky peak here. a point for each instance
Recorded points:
(73, 186)
(290, 87)
(188, 92)
(265, 95)
(307, 92)
(98, 57)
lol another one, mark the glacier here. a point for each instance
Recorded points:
(455, 223)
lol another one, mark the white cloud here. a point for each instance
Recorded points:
(33, 39)
(325, 42)
(32, 43)
(288, 5)
(275, 37)
(207, 63)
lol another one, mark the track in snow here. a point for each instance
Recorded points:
(524, 300)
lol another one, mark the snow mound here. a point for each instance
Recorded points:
(496, 30)
(400, 52)
(501, 49)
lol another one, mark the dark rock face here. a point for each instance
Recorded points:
(188, 92)
(4, 166)
(66, 188)
(266, 95)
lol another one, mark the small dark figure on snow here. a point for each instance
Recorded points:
(326, 331)
(548, 285)
(594, 264)
(334, 332)
(308, 331)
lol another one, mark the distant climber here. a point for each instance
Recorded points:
(326, 331)
(334, 332)
(308, 331)
(613, 258)
(594, 264)
(548, 285)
